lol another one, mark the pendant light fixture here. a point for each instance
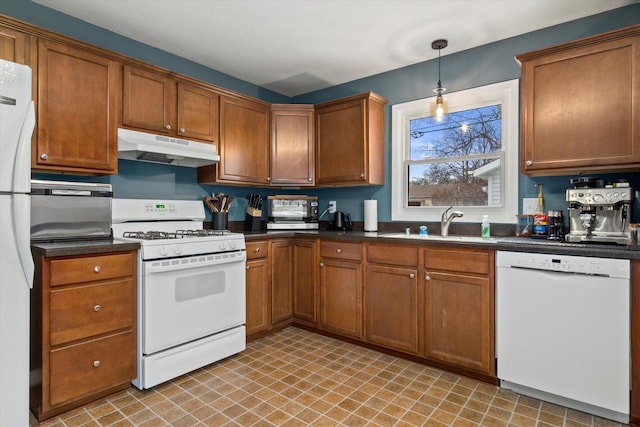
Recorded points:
(439, 108)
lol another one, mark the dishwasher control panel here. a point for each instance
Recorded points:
(565, 263)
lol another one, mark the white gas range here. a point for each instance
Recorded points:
(191, 287)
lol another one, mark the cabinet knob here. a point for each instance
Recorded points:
(310, 179)
(96, 363)
(529, 163)
(362, 175)
(339, 250)
(248, 267)
(97, 269)
(428, 277)
(268, 178)
(322, 264)
(97, 307)
(167, 127)
(256, 250)
(182, 130)
(44, 156)
(411, 276)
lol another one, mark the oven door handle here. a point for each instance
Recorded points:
(193, 262)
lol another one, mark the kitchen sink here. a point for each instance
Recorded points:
(435, 237)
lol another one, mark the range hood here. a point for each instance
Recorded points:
(147, 147)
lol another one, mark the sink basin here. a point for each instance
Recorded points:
(435, 237)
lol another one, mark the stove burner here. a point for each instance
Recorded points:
(178, 234)
(201, 233)
(149, 235)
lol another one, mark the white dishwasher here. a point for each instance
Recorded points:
(563, 330)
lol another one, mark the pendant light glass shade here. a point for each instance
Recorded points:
(439, 107)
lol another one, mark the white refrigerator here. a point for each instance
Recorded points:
(17, 120)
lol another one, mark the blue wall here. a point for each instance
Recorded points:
(483, 65)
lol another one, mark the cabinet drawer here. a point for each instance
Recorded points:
(394, 255)
(257, 249)
(87, 310)
(341, 250)
(463, 260)
(83, 369)
(92, 268)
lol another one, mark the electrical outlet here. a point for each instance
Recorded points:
(332, 206)
(529, 205)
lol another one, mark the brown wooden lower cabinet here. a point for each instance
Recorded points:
(280, 254)
(304, 281)
(341, 297)
(258, 290)
(459, 301)
(83, 330)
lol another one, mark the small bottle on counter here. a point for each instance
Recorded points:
(486, 227)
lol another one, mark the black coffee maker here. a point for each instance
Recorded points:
(555, 225)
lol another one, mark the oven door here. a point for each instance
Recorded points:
(184, 299)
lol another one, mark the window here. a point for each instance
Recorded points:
(468, 159)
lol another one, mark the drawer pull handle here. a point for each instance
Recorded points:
(362, 175)
(339, 250)
(248, 267)
(428, 277)
(529, 163)
(44, 156)
(97, 269)
(97, 307)
(182, 130)
(256, 250)
(322, 264)
(96, 363)
(411, 276)
(167, 127)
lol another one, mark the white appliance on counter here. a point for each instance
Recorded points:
(563, 330)
(17, 120)
(191, 287)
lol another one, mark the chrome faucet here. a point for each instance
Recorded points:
(445, 221)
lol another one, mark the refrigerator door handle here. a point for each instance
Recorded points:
(22, 162)
(21, 224)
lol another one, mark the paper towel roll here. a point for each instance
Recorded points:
(370, 215)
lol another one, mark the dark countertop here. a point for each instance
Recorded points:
(81, 247)
(517, 244)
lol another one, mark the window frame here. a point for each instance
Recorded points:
(504, 93)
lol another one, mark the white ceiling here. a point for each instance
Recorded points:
(298, 46)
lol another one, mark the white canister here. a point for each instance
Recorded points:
(370, 215)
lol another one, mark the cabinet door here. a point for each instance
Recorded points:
(340, 143)
(341, 297)
(581, 108)
(244, 141)
(13, 45)
(197, 113)
(392, 307)
(149, 101)
(459, 325)
(257, 296)
(78, 100)
(292, 155)
(281, 290)
(304, 280)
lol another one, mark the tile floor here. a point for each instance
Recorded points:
(298, 378)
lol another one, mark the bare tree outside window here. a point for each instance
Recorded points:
(456, 161)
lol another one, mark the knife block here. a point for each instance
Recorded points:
(252, 219)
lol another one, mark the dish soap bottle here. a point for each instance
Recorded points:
(486, 233)
(540, 218)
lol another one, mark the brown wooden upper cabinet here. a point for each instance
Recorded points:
(292, 148)
(350, 141)
(78, 101)
(14, 45)
(244, 144)
(158, 103)
(581, 105)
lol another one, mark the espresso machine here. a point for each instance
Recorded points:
(599, 215)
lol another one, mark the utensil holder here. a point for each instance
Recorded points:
(252, 220)
(220, 220)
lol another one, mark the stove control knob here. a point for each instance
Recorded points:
(163, 251)
(177, 249)
(232, 245)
